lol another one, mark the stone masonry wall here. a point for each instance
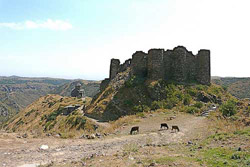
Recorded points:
(114, 68)
(139, 64)
(178, 60)
(125, 65)
(155, 64)
(203, 67)
(179, 65)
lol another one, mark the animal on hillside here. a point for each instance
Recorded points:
(134, 129)
(164, 125)
(175, 128)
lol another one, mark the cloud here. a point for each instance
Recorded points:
(49, 24)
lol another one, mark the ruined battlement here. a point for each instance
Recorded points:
(179, 65)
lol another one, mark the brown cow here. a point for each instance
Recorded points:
(134, 129)
(174, 127)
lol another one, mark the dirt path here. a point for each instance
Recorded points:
(16, 152)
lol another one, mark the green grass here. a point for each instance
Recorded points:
(225, 157)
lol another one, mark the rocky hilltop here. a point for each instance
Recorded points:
(146, 79)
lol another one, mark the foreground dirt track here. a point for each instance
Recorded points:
(16, 152)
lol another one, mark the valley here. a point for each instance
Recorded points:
(16, 93)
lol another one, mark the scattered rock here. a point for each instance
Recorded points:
(44, 147)
(131, 158)
(24, 135)
(92, 136)
(48, 134)
(98, 135)
(58, 135)
(153, 164)
(19, 137)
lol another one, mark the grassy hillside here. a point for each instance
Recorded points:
(18, 92)
(131, 95)
(238, 87)
(45, 116)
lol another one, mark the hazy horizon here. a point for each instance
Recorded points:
(76, 39)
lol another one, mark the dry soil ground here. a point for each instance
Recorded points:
(17, 152)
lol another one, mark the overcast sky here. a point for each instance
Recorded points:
(77, 38)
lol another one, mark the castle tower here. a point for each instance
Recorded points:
(114, 68)
(155, 64)
(203, 67)
(167, 64)
(139, 63)
(178, 65)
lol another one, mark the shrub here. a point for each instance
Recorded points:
(141, 108)
(134, 81)
(51, 104)
(156, 105)
(170, 90)
(228, 108)
(50, 125)
(19, 122)
(187, 99)
(192, 92)
(248, 111)
(140, 114)
(191, 110)
(225, 88)
(170, 102)
(179, 95)
(128, 103)
(52, 116)
(76, 120)
(30, 112)
(201, 87)
(198, 104)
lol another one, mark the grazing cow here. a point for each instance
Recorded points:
(175, 128)
(134, 129)
(164, 125)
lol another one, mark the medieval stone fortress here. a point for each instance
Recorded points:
(177, 65)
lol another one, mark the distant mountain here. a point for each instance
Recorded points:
(238, 87)
(18, 92)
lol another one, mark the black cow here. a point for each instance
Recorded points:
(164, 125)
(134, 129)
(175, 128)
